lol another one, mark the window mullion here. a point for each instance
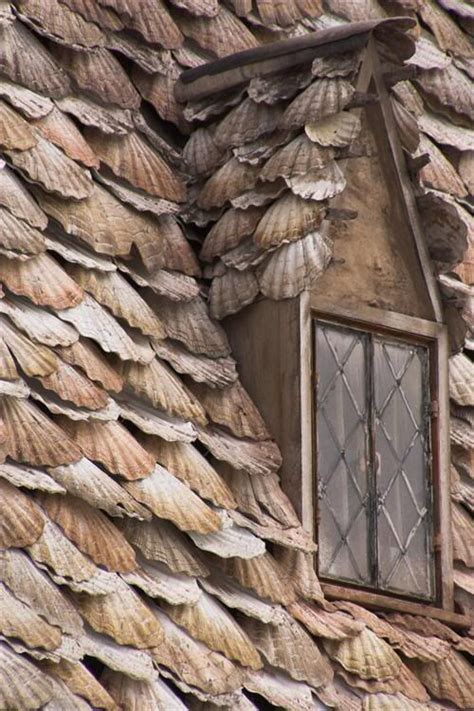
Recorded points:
(371, 462)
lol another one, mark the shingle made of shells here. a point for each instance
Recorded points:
(71, 73)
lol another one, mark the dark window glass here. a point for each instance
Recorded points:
(373, 461)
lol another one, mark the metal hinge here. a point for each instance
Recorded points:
(437, 542)
(434, 408)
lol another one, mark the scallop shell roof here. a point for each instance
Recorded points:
(149, 557)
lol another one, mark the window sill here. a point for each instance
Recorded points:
(381, 602)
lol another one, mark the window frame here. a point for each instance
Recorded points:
(434, 336)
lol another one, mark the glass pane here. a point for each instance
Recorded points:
(401, 386)
(342, 434)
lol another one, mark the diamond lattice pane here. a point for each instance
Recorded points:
(402, 468)
(342, 436)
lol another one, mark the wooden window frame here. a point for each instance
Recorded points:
(435, 336)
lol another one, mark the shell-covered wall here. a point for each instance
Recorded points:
(149, 559)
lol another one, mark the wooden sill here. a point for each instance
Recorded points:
(389, 604)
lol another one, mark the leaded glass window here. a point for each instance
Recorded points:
(373, 461)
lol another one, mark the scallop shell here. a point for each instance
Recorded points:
(445, 132)
(295, 267)
(407, 126)
(216, 372)
(130, 661)
(275, 88)
(233, 408)
(190, 324)
(109, 119)
(338, 130)
(101, 221)
(463, 532)
(270, 495)
(461, 379)
(206, 8)
(287, 220)
(19, 621)
(59, 129)
(160, 541)
(29, 478)
(324, 97)
(153, 21)
(22, 684)
(201, 154)
(223, 34)
(21, 523)
(178, 253)
(72, 386)
(170, 499)
(297, 158)
(53, 170)
(94, 321)
(229, 231)
(158, 90)
(391, 702)
(99, 73)
(152, 422)
(254, 457)
(263, 575)
(91, 531)
(134, 694)
(247, 122)
(26, 61)
(231, 292)
(466, 171)
(210, 622)
(288, 646)
(193, 662)
(231, 541)
(111, 444)
(234, 597)
(299, 566)
(82, 682)
(159, 386)
(33, 438)
(320, 184)
(87, 481)
(29, 104)
(176, 286)
(54, 550)
(439, 174)
(15, 132)
(449, 35)
(40, 325)
(41, 280)
(18, 201)
(449, 679)
(157, 581)
(428, 55)
(35, 589)
(280, 691)
(111, 289)
(448, 89)
(56, 22)
(329, 625)
(8, 369)
(227, 183)
(132, 158)
(86, 356)
(123, 616)
(366, 655)
(185, 462)
(17, 235)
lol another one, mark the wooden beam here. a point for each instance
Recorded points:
(389, 604)
(404, 182)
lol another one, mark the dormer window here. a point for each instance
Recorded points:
(373, 459)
